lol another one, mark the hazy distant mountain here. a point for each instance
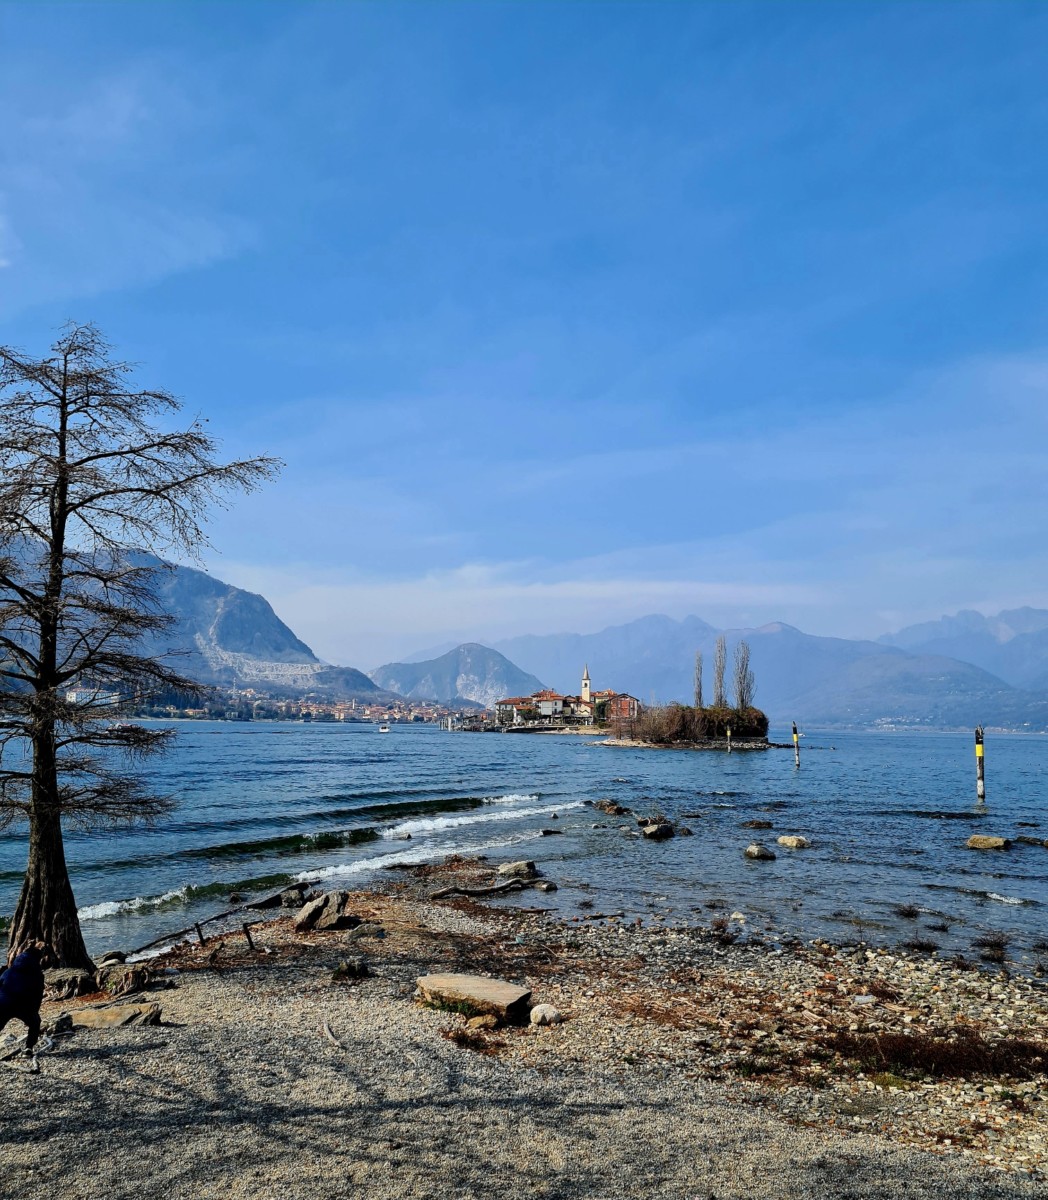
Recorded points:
(924, 691)
(471, 672)
(799, 676)
(1013, 644)
(224, 635)
(650, 655)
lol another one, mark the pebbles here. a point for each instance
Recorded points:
(701, 1056)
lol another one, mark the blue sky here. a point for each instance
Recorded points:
(563, 313)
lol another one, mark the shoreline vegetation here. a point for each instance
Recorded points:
(695, 727)
(691, 1059)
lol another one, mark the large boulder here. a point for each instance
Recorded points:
(793, 841)
(327, 911)
(474, 995)
(979, 841)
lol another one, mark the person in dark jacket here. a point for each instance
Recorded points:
(22, 991)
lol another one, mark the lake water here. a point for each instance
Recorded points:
(887, 814)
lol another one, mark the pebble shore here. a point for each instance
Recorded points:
(691, 1064)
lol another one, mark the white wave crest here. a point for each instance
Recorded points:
(111, 908)
(435, 824)
(418, 854)
(512, 798)
(1004, 899)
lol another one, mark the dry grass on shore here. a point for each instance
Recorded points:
(684, 1068)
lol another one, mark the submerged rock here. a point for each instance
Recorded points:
(794, 841)
(761, 853)
(979, 841)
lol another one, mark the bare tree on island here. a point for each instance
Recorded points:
(720, 664)
(743, 681)
(90, 489)
(698, 679)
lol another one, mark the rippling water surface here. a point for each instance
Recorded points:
(888, 816)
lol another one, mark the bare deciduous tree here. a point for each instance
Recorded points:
(743, 681)
(720, 665)
(90, 489)
(698, 679)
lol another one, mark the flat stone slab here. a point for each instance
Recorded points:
(475, 995)
(116, 1016)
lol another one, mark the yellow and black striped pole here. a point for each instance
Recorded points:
(980, 765)
(796, 746)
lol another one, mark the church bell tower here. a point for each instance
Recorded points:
(585, 693)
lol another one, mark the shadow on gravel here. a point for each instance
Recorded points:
(280, 1113)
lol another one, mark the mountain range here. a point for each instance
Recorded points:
(799, 676)
(954, 672)
(1012, 645)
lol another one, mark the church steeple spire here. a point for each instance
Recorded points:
(585, 692)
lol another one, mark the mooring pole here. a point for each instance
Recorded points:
(728, 731)
(796, 746)
(980, 766)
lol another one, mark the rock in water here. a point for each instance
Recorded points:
(979, 841)
(761, 853)
(525, 869)
(658, 831)
(794, 842)
(475, 995)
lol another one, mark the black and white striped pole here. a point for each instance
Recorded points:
(980, 765)
(796, 747)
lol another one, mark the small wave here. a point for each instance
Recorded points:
(926, 814)
(511, 798)
(982, 894)
(418, 854)
(333, 839)
(111, 908)
(436, 824)
(181, 897)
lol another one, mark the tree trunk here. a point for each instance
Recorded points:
(46, 908)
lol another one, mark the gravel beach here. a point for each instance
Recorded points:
(689, 1064)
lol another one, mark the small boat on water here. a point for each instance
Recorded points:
(383, 728)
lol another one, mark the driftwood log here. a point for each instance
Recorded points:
(495, 889)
